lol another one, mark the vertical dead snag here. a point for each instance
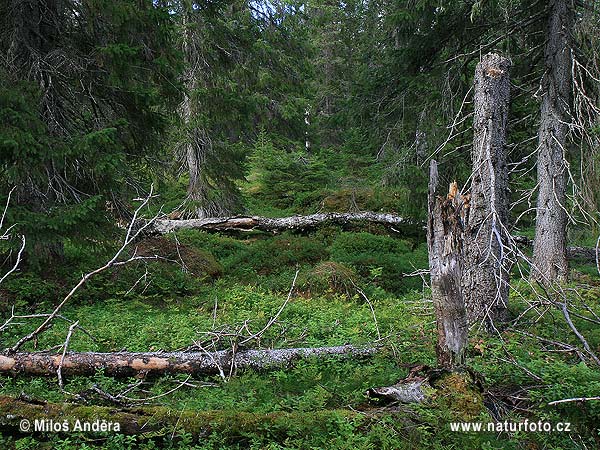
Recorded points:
(444, 241)
(486, 265)
(467, 239)
(467, 235)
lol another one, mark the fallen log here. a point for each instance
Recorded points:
(195, 363)
(312, 221)
(277, 225)
(153, 421)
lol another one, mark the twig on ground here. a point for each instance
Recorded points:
(576, 399)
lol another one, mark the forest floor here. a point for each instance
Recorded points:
(222, 285)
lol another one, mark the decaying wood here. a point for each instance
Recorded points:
(196, 363)
(403, 392)
(157, 420)
(485, 276)
(424, 384)
(444, 240)
(256, 223)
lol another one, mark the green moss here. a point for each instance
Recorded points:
(197, 261)
(157, 420)
(460, 394)
(330, 277)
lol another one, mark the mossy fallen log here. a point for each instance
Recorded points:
(156, 420)
(159, 363)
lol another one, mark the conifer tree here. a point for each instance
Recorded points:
(83, 100)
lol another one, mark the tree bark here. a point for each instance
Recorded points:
(196, 363)
(549, 247)
(444, 241)
(486, 268)
(395, 223)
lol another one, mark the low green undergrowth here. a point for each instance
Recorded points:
(342, 278)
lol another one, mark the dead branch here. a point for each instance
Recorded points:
(62, 357)
(274, 318)
(576, 399)
(130, 237)
(13, 316)
(5, 235)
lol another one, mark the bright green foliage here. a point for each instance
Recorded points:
(300, 107)
(384, 261)
(285, 178)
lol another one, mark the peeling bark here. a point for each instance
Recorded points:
(196, 363)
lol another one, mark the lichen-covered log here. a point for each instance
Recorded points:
(313, 221)
(486, 265)
(256, 223)
(444, 241)
(196, 363)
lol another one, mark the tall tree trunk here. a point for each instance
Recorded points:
(549, 246)
(203, 199)
(486, 266)
(444, 241)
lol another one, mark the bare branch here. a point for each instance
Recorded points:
(130, 236)
(62, 358)
(576, 399)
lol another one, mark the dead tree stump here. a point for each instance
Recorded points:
(444, 241)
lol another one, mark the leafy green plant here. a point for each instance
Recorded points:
(382, 259)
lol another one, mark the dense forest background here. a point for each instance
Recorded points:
(279, 108)
(274, 107)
